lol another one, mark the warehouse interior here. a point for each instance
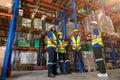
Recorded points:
(24, 26)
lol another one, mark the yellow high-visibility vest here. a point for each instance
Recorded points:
(98, 40)
(76, 43)
(49, 43)
(61, 49)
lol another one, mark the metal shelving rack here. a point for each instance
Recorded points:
(113, 54)
(11, 34)
(63, 11)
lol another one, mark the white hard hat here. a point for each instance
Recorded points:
(94, 22)
(51, 26)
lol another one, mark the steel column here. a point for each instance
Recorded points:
(65, 22)
(10, 40)
(61, 21)
(14, 60)
(55, 19)
(74, 13)
(113, 53)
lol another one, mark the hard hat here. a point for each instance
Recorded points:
(75, 30)
(51, 26)
(94, 22)
(59, 33)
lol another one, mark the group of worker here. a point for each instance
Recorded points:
(57, 44)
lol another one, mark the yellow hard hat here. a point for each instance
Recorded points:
(59, 33)
(75, 30)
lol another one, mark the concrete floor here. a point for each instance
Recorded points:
(42, 75)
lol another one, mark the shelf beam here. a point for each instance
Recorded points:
(97, 7)
(5, 14)
(45, 5)
(59, 6)
(25, 49)
(10, 41)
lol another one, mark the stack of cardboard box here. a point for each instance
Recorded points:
(105, 23)
(2, 53)
(6, 5)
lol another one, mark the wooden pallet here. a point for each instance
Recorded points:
(110, 68)
(26, 67)
(89, 70)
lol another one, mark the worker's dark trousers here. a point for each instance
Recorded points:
(63, 58)
(61, 61)
(76, 55)
(99, 59)
(67, 61)
(52, 66)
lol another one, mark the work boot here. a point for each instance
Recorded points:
(51, 75)
(102, 75)
(56, 73)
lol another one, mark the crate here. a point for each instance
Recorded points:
(23, 43)
(36, 43)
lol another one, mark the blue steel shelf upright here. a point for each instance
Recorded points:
(10, 40)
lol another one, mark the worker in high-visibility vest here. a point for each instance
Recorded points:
(76, 47)
(63, 57)
(97, 49)
(51, 45)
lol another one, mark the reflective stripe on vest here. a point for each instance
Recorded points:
(100, 59)
(67, 60)
(76, 42)
(49, 43)
(98, 40)
(61, 49)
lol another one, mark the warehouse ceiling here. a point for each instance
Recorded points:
(83, 8)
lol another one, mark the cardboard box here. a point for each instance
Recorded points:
(105, 23)
(2, 52)
(23, 43)
(37, 23)
(36, 43)
(6, 3)
(26, 22)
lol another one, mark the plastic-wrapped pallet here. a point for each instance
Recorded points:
(6, 4)
(28, 58)
(105, 23)
(37, 23)
(2, 53)
(70, 28)
(88, 60)
(48, 26)
(26, 22)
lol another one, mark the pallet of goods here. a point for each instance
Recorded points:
(6, 5)
(2, 53)
(105, 24)
(26, 60)
(88, 61)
